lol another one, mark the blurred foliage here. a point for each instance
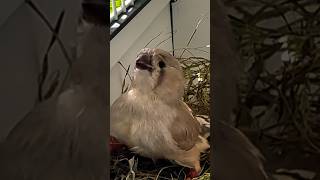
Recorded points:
(279, 44)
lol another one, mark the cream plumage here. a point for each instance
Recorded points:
(151, 117)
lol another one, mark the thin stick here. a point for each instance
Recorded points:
(193, 33)
(127, 70)
(163, 41)
(152, 40)
(46, 21)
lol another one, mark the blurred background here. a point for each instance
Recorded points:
(278, 102)
(27, 46)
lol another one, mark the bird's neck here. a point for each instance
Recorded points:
(143, 84)
(141, 95)
(169, 90)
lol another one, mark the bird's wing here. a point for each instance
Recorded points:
(185, 128)
(60, 139)
(119, 121)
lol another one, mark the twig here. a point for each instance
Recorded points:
(193, 33)
(152, 39)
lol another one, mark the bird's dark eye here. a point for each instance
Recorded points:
(162, 64)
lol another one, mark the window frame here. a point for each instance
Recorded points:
(136, 8)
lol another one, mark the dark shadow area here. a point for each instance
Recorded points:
(278, 90)
(54, 94)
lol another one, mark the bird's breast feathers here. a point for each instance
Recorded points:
(142, 122)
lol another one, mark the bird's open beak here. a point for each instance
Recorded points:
(144, 63)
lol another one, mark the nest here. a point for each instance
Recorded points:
(197, 75)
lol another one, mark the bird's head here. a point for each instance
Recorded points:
(158, 72)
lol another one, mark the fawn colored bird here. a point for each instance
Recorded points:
(151, 117)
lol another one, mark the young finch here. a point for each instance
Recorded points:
(151, 117)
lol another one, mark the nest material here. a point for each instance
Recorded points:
(144, 168)
(197, 74)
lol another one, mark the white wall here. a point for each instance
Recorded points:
(152, 20)
(186, 15)
(157, 13)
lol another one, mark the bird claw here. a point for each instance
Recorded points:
(115, 145)
(192, 173)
